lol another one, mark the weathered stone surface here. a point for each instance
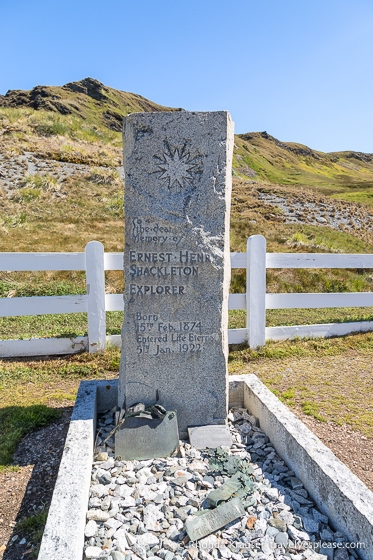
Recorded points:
(97, 515)
(202, 437)
(278, 523)
(116, 555)
(92, 552)
(341, 554)
(91, 529)
(311, 525)
(343, 498)
(282, 539)
(147, 539)
(64, 531)
(134, 532)
(103, 456)
(177, 263)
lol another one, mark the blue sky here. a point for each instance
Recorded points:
(301, 70)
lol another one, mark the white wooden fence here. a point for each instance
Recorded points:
(258, 300)
(95, 302)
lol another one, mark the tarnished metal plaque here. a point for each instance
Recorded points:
(202, 437)
(147, 438)
(224, 492)
(203, 525)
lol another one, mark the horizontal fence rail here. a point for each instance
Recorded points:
(319, 301)
(42, 305)
(318, 260)
(94, 261)
(31, 262)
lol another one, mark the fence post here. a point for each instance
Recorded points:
(95, 282)
(256, 290)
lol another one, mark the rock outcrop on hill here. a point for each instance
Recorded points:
(75, 98)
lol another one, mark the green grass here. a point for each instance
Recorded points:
(359, 197)
(88, 119)
(293, 238)
(29, 284)
(32, 527)
(313, 239)
(288, 396)
(257, 156)
(28, 376)
(68, 325)
(43, 385)
(289, 317)
(312, 409)
(328, 379)
(71, 325)
(264, 158)
(294, 370)
(299, 348)
(16, 421)
(90, 206)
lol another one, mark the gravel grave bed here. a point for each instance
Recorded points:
(139, 509)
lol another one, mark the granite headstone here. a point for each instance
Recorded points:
(177, 264)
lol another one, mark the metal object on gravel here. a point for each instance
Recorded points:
(203, 525)
(145, 437)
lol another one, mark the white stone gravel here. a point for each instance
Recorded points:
(138, 509)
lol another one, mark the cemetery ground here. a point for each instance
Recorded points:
(325, 382)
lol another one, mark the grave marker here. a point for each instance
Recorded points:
(177, 264)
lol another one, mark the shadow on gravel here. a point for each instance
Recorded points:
(42, 449)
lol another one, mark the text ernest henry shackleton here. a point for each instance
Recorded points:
(155, 336)
(162, 265)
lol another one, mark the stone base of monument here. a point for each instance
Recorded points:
(338, 493)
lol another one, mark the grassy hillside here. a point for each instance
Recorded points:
(345, 175)
(90, 112)
(88, 99)
(61, 186)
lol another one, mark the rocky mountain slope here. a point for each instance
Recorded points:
(347, 175)
(88, 99)
(258, 155)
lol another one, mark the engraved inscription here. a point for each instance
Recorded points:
(155, 337)
(212, 520)
(177, 167)
(153, 264)
(180, 256)
(153, 232)
(159, 271)
(141, 290)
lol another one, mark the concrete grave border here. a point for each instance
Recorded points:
(338, 493)
(63, 537)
